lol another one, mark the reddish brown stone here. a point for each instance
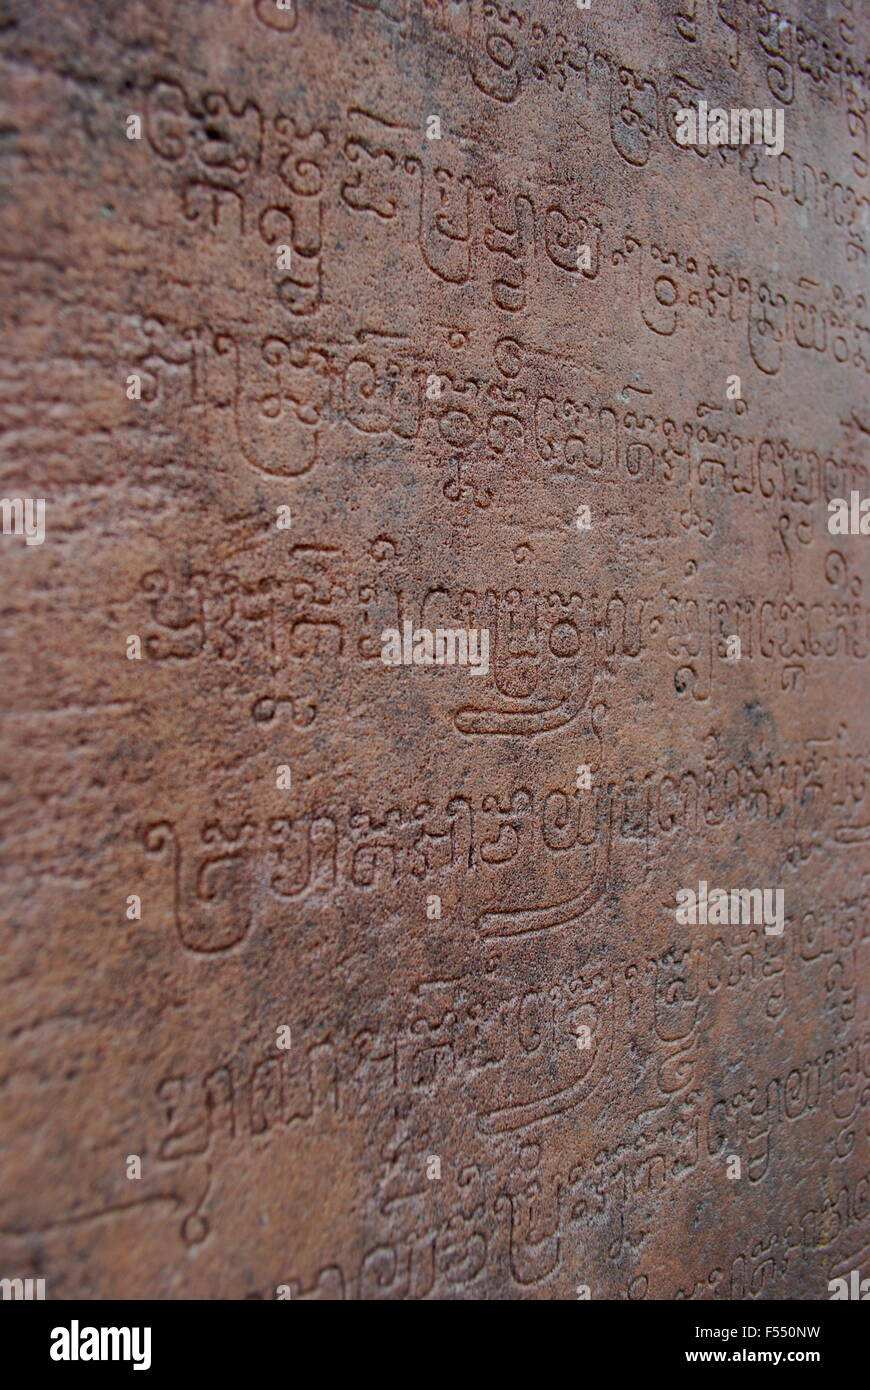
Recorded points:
(435, 390)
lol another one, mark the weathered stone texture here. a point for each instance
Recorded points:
(433, 387)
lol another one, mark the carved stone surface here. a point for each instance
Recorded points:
(436, 275)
